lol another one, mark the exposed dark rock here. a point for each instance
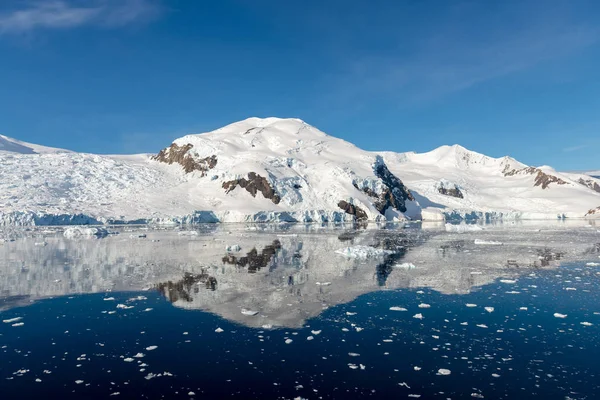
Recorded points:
(541, 179)
(590, 183)
(186, 287)
(395, 194)
(351, 209)
(593, 211)
(254, 184)
(253, 260)
(180, 155)
(453, 192)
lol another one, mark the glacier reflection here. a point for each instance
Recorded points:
(279, 275)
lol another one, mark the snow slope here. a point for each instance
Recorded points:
(491, 188)
(10, 145)
(271, 169)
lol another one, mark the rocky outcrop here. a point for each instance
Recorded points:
(590, 183)
(351, 209)
(180, 155)
(253, 260)
(185, 288)
(395, 194)
(593, 211)
(541, 178)
(452, 192)
(254, 184)
(449, 189)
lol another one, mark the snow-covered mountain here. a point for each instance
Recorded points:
(272, 169)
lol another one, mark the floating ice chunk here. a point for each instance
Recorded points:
(398, 308)
(423, 305)
(139, 355)
(128, 359)
(191, 394)
(188, 233)
(587, 324)
(288, 341)
(418, 316)
(470, 305)
(354, 354)
(416, 368)
(12, 320)
(124, 307)
(249, 312)
(109, 299)
(593, 264)
(76, 232)
(138, 298)
(487, 242)
(443, 371)
(489, 309)
(150, 348)
(310, 338)
(315, 332)
(363, 252)
(352, 366)
(482, 326)
(18, 324)
(78, 382)
(507, 281)
(405, 266)
(522, 308)
(233, 248)
(559, 315)
(462, 228)
(350, 313)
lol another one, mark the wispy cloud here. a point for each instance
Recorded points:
(574, 148)
(462, 51)
(63, 14)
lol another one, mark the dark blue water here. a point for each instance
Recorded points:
(84, 347)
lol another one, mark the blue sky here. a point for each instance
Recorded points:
(120, 76)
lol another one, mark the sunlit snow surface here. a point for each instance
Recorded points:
(155, 314)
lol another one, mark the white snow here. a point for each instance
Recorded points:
(249, 312)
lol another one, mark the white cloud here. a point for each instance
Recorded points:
(61, 14)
